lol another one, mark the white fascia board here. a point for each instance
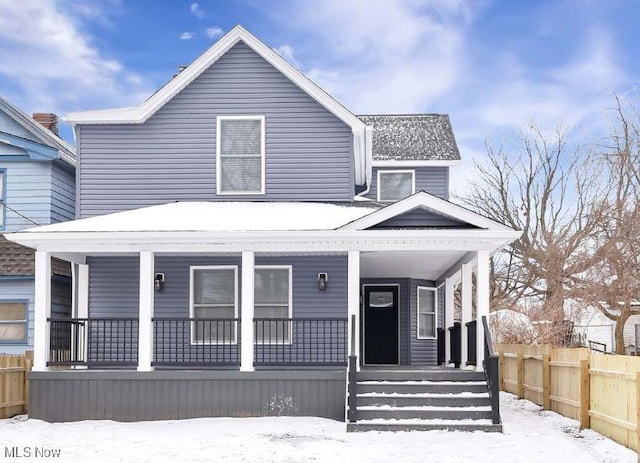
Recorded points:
(141, 113)
(301, 241)
(430, 202)
(404, 163)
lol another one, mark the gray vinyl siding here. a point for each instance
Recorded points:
(421, 218)
(404, 302)
(113, 287)
(61, 296)
(18, 290)
(423, 351)
(63, 193)
(171, 157)
(434, 180)
(58, 396)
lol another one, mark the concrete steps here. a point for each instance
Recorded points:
(438, 399)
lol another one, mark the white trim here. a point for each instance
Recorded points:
(146, 303)
(42, 311)
(482, 304)
(466, 294)
(364, 311)
(435, 311)
(404, 171)
(290, 296)
(219, 120)
(247, 332)
(429, 202)
(193, 268)
(403, 163)
(353, 302)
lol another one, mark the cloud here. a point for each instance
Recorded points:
(186, 36)
(392, 56)
(213, 32)
(65, 70)
(286, 51)
(197, 11)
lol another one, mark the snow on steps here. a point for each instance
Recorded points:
(404, 400)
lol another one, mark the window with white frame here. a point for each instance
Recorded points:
(240, 154)
(2, 198)
(394, 185)
(13, 321)
(214, 304)
(272, 299)
(427, 318)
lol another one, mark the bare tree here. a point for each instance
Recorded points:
(540, 186)
(613, 284)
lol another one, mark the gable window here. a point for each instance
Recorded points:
(427, 318)
(272, 299)
(394, 185)
(214, 304)
(240, 155)
(13, 321)
(2, 198)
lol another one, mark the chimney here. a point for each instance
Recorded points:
(47, 120)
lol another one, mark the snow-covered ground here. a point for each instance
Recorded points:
(530, 435)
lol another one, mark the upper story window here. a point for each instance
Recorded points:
(394, 185)
(240, 155)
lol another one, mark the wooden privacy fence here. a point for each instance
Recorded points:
(14, 385)
(601, 391)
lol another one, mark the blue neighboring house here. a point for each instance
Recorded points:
(37, 186)
(247, 246)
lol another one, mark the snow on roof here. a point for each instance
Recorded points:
(219, 216)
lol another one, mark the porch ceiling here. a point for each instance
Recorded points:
(428, 265)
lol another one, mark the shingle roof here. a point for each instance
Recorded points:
(412, 137)
(17, 260)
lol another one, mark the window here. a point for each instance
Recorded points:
(2, 198)
(240, 155)
(214, 303)
(394, 185)
(273, 300)
(427, 319)
(13, 321)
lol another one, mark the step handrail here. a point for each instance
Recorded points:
(352, 379)
(491, 366)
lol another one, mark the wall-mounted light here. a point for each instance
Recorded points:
(158, 281)
(323, 279)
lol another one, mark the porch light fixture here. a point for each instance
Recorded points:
(323, 278)
(158, 281)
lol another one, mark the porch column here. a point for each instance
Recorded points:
(467, 282)
(42, 311)
(247, 335)
(449, 306)
(353, 301)
(482, 303)
(81, 306)
(146, 301)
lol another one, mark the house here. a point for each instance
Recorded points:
(37, 187)
(234, 252)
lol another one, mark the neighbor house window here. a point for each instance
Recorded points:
(2, 198)
(273, 300)
(13, 321)
(240, 155)
(427, 319)
(394, 185)
(214, 304)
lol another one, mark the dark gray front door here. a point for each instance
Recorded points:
(381, 325)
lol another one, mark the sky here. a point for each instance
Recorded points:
(493, 66)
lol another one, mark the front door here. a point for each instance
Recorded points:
(381, 325)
